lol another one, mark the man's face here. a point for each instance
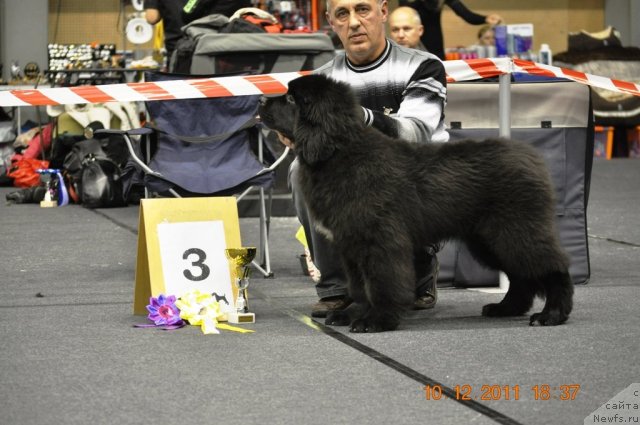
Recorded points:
(360, 26)
(404, 29)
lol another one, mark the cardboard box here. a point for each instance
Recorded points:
(513, 40)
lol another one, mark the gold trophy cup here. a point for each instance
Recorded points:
(241, 258)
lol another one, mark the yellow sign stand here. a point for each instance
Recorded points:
(185, 237)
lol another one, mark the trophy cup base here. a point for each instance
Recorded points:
(48, 204)
(239, 318)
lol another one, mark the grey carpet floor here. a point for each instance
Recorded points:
(70, 354)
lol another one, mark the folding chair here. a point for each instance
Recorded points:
(205, 147)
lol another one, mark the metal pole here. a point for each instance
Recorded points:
(504, 105)
(504, 122)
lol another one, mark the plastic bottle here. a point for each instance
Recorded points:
(545, 54)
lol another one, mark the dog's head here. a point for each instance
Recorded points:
(316, 113)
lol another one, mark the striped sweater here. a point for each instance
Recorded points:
(403, 92)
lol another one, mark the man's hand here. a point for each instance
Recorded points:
(285, 140)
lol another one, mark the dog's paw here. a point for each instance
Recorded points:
(493, 310)
(548, 318)
(337, 318)
(360, 326)
(369, 326)
(499, 310)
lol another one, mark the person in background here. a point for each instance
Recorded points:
(170, 12)
(406, 28)
(402, 92)
(177, 13)
(486, 36)
(430, 12)
(196, 9)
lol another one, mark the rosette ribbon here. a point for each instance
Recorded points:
(164, 313)
(201, 309)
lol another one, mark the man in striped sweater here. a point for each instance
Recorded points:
(403, 94)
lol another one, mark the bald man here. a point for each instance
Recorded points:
(406, 28)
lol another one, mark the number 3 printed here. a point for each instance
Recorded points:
(199, 263)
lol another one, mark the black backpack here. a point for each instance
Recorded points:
(101, 183)
(73, 161)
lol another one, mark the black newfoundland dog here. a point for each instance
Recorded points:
(381, 199)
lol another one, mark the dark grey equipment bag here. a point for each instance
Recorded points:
(556, 118)
(257, 53)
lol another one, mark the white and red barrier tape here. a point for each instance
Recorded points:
(482, 68)
(458, 70)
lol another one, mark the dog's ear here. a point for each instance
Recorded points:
(324, 116)
(313, 144)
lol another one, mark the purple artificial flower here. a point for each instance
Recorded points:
(163, 310)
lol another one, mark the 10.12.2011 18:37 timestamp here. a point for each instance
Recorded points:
(467, 392)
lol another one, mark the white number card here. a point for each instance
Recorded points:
(193, 257)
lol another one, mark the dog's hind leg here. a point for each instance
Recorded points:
(536, 265)
(559, 300)
(517, 301)
(521, 293)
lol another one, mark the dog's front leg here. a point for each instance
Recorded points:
(389, 285)
(360, 305)
(347, 316)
